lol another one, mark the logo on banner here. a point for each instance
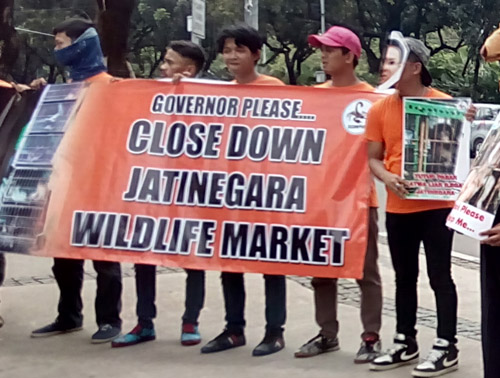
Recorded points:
(354, 116)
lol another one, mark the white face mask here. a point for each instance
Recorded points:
(398, 50)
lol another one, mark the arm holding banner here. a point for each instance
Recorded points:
(38, 83)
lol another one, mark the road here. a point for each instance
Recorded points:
(461, 244)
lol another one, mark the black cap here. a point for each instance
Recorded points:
(423, 54)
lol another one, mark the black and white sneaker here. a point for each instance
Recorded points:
(403, 352)
(442, 359)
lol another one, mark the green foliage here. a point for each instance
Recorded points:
(447, 69)
(453, 29)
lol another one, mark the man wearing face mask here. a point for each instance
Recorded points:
(77, 47)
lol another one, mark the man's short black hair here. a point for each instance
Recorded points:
(345, 51)
(413, 58)
(190, 50)
(243, 35)
(73, 27)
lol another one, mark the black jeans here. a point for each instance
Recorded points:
(145, 280)
(233, 287)
(405, 232)
(69, 276)
(490, 307)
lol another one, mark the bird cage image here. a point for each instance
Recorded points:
(432, 133)
(25, 194)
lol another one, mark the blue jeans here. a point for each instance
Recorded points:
(145, 279)
(233, 286)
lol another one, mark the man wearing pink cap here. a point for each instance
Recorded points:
(340, 52)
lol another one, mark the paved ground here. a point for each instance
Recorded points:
(29, 300)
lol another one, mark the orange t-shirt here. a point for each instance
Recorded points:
(360, 87)
(384, 124)
(264, 80)
(99, 78)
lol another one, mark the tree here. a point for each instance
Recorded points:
(155, 24)
(287, 24)
(114, 24)
(454, 30)
(9, 42)
(220, 13)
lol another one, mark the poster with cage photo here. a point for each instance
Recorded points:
(435, 147)
(24, 192)
(479, 199)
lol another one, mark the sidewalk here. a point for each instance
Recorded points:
(29, 300)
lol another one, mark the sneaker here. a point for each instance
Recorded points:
(105, 333)
(138, 335)
(190, 335)
(403, 352)
(370, 349)
(317, 345)
(52, 329)
(272, 343)
(442, 359)
(226, 340)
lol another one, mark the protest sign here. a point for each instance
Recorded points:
(435, 153)
(479, 198)
(234, 178)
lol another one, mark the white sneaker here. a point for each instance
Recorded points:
(442, 359)
(403, 352)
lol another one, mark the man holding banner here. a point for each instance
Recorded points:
(240, 47)
(490, 255)
(409, 222)
(77, 47)
(340, 50)
(186, 59)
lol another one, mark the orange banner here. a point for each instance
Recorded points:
(208, 176)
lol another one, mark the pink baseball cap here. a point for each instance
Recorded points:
(337, 36)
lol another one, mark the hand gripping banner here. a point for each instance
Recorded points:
(207, 176)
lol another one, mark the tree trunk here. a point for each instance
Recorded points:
(9, 43)
(292, 79)
(114, 25)
(373, 60)
(475, 80)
